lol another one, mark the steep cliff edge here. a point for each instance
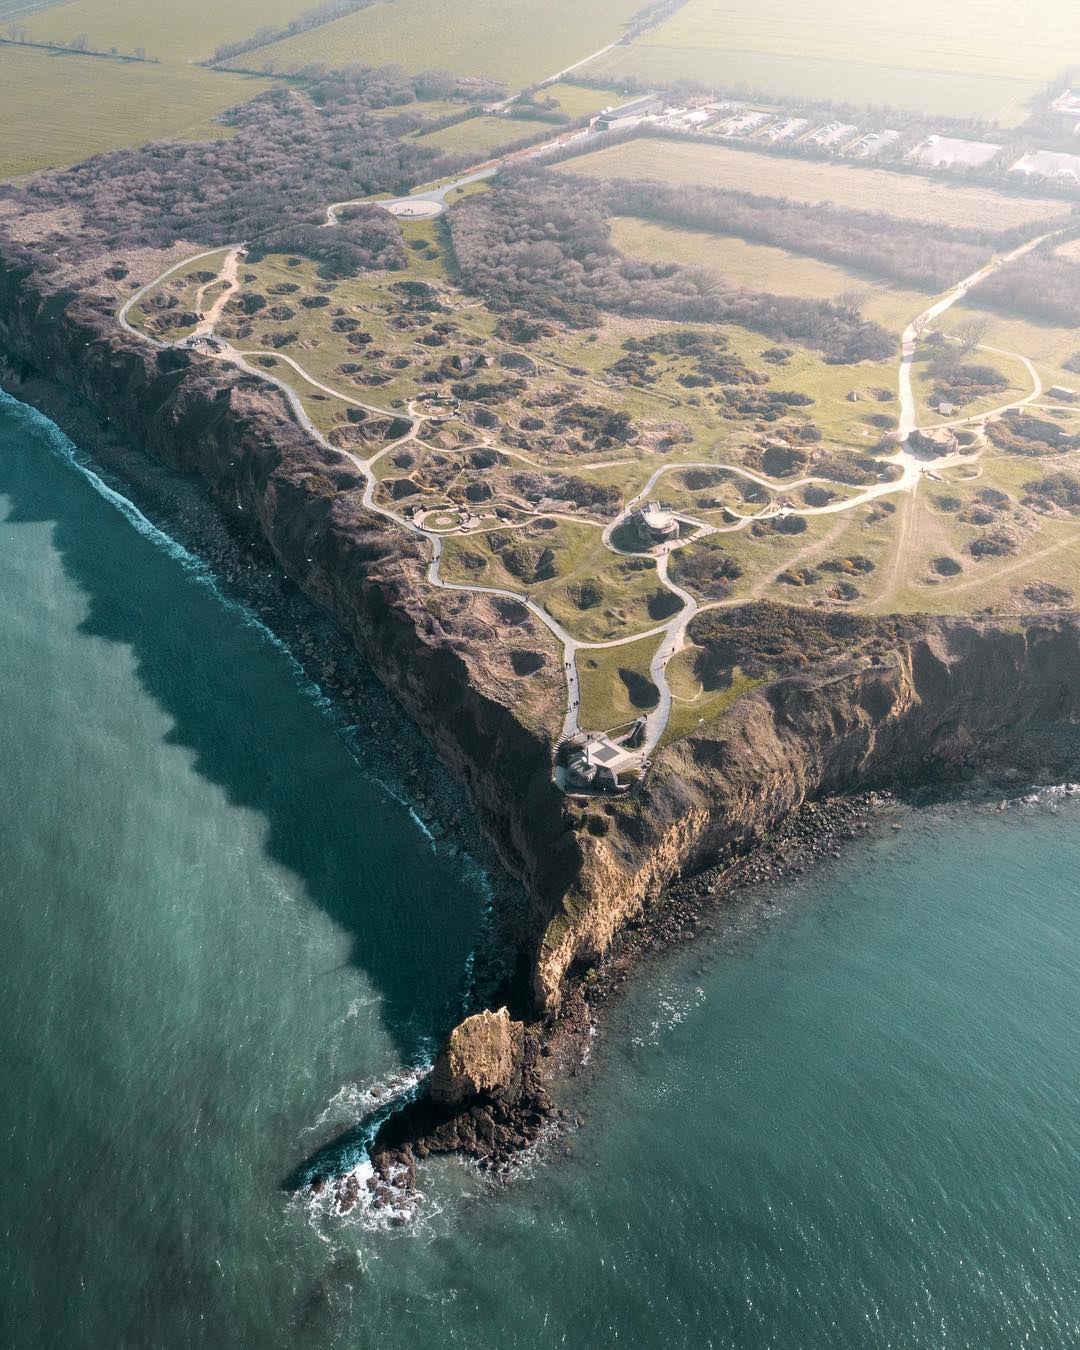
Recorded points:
(445, 655)
(944, 698)
(961, 697)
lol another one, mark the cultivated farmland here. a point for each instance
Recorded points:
(969, 58)
(174, 33)
(518, 43)
(67, 106)
(898, 194)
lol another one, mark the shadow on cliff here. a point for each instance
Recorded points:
(411, 915)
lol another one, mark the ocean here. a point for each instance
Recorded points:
(848, 1116)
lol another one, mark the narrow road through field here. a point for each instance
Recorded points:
(915, 329)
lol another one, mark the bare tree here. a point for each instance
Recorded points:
(850, 304)
(17, 32)
(971, 333)
(80, 43)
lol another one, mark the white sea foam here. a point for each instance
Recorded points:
(672, 1009)
(1049, 795)
(354, 1101)
(65, 449)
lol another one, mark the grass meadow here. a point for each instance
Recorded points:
(978, 58)
(518, 42)
(761, 267)
(908, 196)
(479, 135)
(66, 106)
(173, 33)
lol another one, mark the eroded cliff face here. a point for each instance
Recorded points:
(445, 655)
(966, 696)
(962, 695)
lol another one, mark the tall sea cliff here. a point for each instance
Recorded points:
(935, 700)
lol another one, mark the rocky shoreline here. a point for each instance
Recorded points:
(499, 1129)
(766, 788)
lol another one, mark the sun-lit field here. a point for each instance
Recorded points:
(519, 43)
(764, 268)
(904, 195)
(577, 101)
(969, 58)
(521, 472)
(67, 107)
(479, 135)
(173, 33)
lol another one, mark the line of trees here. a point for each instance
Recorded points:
(19, 34)
(290, 156)
(884, 246)
(1042, 285)
(316, 17)
(542, 243)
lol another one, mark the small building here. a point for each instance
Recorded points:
(946, 409)
(597, 764)
(936, 441)
(656, 525)
(1063, 393)
(646, 106)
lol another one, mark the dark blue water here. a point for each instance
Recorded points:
(856, 1123)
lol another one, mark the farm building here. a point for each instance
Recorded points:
(629, 114)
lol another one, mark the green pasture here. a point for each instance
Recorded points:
(518, 43)
(967, 59)
(174, 33)
(62, 107)
(905, 195)
(761, 267)
(611, 679)
(481, 135)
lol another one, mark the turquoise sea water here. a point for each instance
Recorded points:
(853, 1120)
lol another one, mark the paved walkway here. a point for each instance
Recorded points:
(672, 633)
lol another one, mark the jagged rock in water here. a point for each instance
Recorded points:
(482, 1055)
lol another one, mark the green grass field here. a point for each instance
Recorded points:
(174, 33)
(979, 58)
(67, 107)
(692, 704)
(577, 101)
(876, 556)
(480, 135)
(517, 42)
(611, 678)
(764, 268)
(1046, 346)
(898, 194)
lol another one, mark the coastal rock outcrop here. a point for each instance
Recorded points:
(482, 1057)
(959, 698)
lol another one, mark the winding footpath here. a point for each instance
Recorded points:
(672, 633)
